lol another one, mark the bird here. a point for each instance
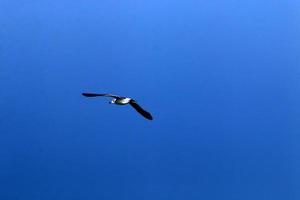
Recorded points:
(119, 100)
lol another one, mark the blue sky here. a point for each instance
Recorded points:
(221, 79)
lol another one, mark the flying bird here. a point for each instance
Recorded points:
(122, 101)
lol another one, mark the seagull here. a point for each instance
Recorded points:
(122, 101)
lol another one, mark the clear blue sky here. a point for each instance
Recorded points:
(220, 77)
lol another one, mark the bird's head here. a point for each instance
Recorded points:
(112, 101)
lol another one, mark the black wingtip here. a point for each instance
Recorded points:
(148, 116)
(139, 109)
(89, 94)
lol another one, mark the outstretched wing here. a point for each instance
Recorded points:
(138, 108)
(99, 95)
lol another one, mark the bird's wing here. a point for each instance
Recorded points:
(138, 108)
(99, 95)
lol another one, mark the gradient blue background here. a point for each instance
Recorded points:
(221, 79)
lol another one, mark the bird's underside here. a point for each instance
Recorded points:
(123, 101)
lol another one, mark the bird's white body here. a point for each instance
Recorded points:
(121, 101)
